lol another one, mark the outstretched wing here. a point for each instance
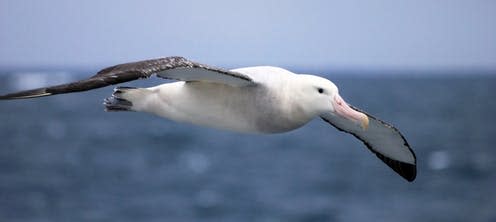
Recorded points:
(176, 68)
(384, 140)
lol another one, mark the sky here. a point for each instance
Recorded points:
(309, 34)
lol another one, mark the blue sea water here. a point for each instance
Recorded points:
(63, 158)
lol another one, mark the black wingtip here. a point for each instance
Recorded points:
(406, 170)
(26, 94)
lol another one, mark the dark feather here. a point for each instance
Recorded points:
(124, 73)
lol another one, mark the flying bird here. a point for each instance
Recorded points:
(261, 99)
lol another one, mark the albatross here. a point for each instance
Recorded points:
(261, 99)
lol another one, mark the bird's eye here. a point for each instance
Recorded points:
(320, 90)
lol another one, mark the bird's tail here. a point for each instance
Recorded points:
(125, 99)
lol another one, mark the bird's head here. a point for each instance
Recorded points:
(320, 96)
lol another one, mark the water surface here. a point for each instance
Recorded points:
(63, 158)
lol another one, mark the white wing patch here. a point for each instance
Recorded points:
(206, 75)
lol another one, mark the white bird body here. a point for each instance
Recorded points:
(260, 99)
(246, 109)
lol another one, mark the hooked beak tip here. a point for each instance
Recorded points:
(365, 122)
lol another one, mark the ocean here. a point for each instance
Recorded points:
(63, 158)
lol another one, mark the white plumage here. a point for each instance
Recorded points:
(261, 99)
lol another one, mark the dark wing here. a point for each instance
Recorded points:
(176, 68)
(384, 140)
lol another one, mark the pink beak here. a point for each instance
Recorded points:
(342, 109)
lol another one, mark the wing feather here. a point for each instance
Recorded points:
(384, 140)
(174, 67)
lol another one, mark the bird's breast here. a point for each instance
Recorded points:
(243, 109)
